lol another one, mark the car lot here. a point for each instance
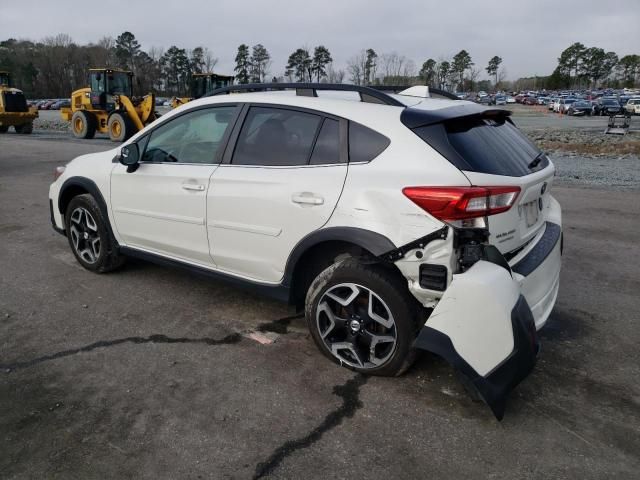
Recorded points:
(153, 373)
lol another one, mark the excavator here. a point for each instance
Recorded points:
(107, 106)
(14, 111)
(202, 83)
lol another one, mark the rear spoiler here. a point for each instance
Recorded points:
(416, 117)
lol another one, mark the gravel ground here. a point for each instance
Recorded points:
(613, 172)
(609, 164)
(45, 122)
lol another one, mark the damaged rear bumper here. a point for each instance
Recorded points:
(485, 317)
(494, 386)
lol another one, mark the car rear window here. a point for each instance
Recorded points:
(327, 147)
(364, 143)
(493, 146)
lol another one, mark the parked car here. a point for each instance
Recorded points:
(580, 108)
(530, 100)
(484, 100)
(500, 100)
(563, 105)
(633, 106)
(47, 105)
(511, 100)
(551, 103)
(345, 210)
(608, 106)
(57, 105)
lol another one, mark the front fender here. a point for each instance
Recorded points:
(484, 328)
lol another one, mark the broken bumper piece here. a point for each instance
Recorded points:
(484, 328)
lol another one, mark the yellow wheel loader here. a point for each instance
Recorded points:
(107, 106)
(202, 83)
(14, 111)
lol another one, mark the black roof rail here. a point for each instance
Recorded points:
(367, 94)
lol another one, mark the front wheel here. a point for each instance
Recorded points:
(83, 124)
(363, 317)
(120, 127)
(89, 237)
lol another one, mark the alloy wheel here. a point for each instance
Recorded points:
(84, 235)
(356, 325)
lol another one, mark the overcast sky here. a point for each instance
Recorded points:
(528, 35)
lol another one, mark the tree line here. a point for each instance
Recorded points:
(56, 66)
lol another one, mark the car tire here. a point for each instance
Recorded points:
(24, 129)
(120, 127)
(352, 305)
(89, 236)
(83, 124)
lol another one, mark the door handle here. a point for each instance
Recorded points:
(193, 187)
(307, 198)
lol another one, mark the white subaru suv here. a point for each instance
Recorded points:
(398, 222)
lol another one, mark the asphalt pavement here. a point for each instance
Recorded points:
(152, 372)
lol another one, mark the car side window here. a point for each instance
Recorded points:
(276, 137)
(364, 143)
(327, 148)
(193, 137)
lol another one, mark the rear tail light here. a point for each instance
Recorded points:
(462, 203)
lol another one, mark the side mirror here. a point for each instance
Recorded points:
(130, 156)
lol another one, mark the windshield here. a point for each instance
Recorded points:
(118, 82)
(609, 102)
(583, 104)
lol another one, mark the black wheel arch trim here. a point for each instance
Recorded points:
(91, 188)
(61, 231)
(373, 242)
(496, 385)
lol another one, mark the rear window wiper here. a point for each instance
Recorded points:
(536, 161)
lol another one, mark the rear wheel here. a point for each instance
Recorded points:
(120, 127)
(362, 317)
(89, 237)
(83, 124)
(25, 128)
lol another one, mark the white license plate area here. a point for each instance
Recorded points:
(531, 212)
